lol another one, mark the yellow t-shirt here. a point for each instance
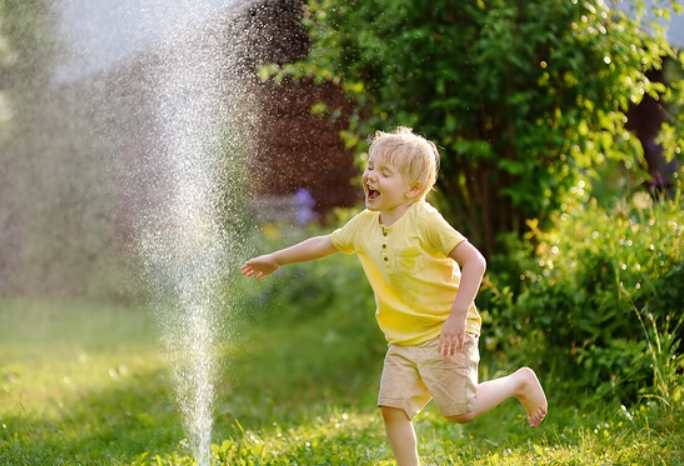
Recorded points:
(409, 268)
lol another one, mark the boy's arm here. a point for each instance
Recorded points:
(473, 266)
(308, 250)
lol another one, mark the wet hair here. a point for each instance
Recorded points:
(416, 157)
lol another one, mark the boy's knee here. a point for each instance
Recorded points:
(461, 418)
(393, 414)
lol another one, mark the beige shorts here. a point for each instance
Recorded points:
(413, 375)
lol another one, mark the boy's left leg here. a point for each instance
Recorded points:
(401, 435)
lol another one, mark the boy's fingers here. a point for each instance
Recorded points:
(449, 345)
(460, 342)
(446, 347)
(249, 271)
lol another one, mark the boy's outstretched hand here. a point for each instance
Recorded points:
(260, 266)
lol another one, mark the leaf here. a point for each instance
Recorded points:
(512, 166)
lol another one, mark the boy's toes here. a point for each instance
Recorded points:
(535, 419)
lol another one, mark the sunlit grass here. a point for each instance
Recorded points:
(87, 384)
(80, 383)
(53, 353)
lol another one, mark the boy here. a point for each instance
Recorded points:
(425, 306)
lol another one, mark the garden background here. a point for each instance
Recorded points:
(544, 114)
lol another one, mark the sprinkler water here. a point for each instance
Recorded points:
(126, 126)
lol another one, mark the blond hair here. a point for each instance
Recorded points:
(416, 157)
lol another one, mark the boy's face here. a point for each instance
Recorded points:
(386, 188)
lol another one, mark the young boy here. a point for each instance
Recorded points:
(425, 305)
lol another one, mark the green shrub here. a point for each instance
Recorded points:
(599, 298)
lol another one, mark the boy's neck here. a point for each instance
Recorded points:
(390, 217)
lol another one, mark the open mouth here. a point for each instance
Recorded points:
(372, 194)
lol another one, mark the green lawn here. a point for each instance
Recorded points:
(88, 384)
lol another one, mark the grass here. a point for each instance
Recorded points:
(84, 383)
(80, 384)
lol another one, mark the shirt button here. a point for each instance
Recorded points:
(384, 246)
(385, 259)
(384, 233)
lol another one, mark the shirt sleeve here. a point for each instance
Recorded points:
(441, 235)
(343, 239)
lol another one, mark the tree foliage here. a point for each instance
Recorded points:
(524, 97)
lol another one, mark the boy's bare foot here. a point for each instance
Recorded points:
(531, 396)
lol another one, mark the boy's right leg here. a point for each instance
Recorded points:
(523, 384)
(401, 436)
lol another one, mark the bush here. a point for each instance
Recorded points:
(599, 297)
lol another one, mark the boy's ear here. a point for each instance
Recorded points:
(415, 190)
